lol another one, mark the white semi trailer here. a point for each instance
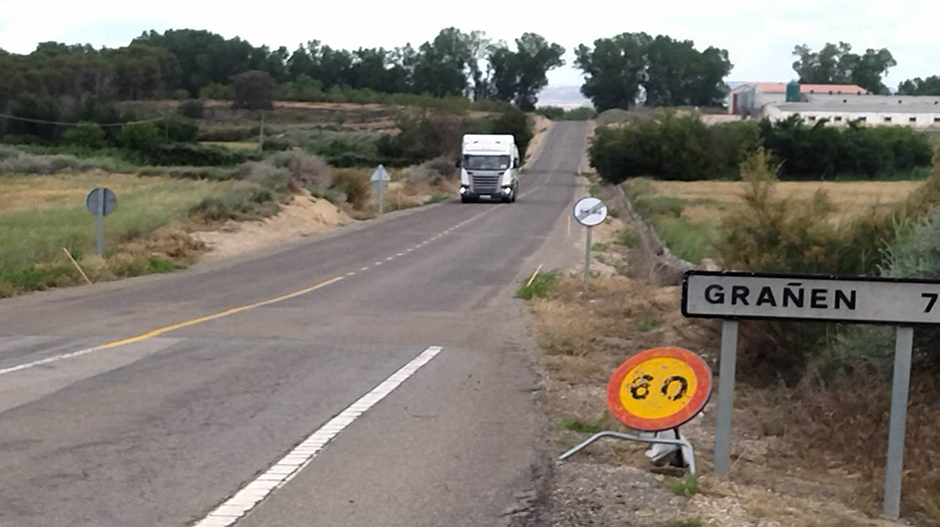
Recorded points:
(489, 166)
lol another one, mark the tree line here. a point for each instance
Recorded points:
(193, 63)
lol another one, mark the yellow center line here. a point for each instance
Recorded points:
(166, 329)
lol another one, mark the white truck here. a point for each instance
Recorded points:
(489, 166)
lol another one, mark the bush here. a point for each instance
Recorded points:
(227, 135)
(179, 131)
(355, 185)
(193, 109)
(85, 134)
(217, 91)
(182, 154)
(181, 95)
(305, 170)
(515, 122)
(141, 136)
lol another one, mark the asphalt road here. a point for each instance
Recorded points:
(158, 428)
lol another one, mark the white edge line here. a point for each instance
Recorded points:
(285, 469)
(49, 360)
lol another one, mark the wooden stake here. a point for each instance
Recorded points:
(536, 273)
(85, 276)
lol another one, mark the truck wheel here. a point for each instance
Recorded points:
(466, 199)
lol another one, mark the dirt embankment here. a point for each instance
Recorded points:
(303, 216)
(773, 481)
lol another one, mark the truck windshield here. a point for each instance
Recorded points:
(485, 162)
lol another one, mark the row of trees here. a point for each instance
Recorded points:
(628, 68)
(190, 63)
(837, 64)
(681, 147)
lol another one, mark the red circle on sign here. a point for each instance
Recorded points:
(695, 405)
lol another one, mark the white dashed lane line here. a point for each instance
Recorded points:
(229, 512)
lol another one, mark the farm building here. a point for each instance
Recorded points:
(839, 110)
(749, 98)
(837, 104)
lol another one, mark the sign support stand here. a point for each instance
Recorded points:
(99, 226)
(903, 348)
(587, 260)
(729, 350)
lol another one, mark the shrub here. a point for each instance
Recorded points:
(85, 134)
(193, 109)
(305, 170)
(182, 154)
(226, 135)
(217, 91)
(141, 136)
(515, 122)
(181, 95)
(179, 131)
(355, 185)
(557, 113)
(541, 287)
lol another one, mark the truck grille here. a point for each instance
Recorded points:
(484, 183)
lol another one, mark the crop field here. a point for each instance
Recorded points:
(688, 214)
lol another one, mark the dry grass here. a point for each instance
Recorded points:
(718, 198)
(39, 215)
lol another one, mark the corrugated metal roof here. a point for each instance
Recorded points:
(781, 87)
(854, 107)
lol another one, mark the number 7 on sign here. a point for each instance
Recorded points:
(932, 300)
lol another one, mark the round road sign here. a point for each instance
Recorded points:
(659, 389)
(94, 205)
(590, 211)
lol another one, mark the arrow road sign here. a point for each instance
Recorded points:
(590, 211)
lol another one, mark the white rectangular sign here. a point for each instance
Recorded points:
(850, 299)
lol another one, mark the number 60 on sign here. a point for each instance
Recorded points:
(659, 389)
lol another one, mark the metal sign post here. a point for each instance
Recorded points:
(379, 178)
(733, 295)
(589, 212)
(100, 202)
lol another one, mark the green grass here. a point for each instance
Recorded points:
(686, 486)
(687, 240)
(599, 246)
(646, 324)
(437, 198)
(582, 427)
(39, 215)
(594, 190)
(628, 238)
(541, 287)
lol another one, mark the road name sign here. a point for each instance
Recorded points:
(659, 389)
(590, 211)
(736, 295)
(799, 297)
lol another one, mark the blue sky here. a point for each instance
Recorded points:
(758, 35)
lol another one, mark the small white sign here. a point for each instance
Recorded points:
(849, 299)
(590, 211)
(380, 174)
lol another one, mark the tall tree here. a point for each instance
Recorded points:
(441, 66)
(520, 75)
(836, 64)
(919, 86)
(679, 75)
(613, 69)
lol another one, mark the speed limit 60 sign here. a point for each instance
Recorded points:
(659, 389)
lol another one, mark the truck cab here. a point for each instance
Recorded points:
(489, 166)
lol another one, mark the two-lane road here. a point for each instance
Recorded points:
(151, 402)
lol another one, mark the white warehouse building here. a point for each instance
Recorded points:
(839, 110)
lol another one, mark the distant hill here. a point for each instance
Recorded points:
(564, 96)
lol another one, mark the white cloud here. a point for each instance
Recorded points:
(759, 35)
